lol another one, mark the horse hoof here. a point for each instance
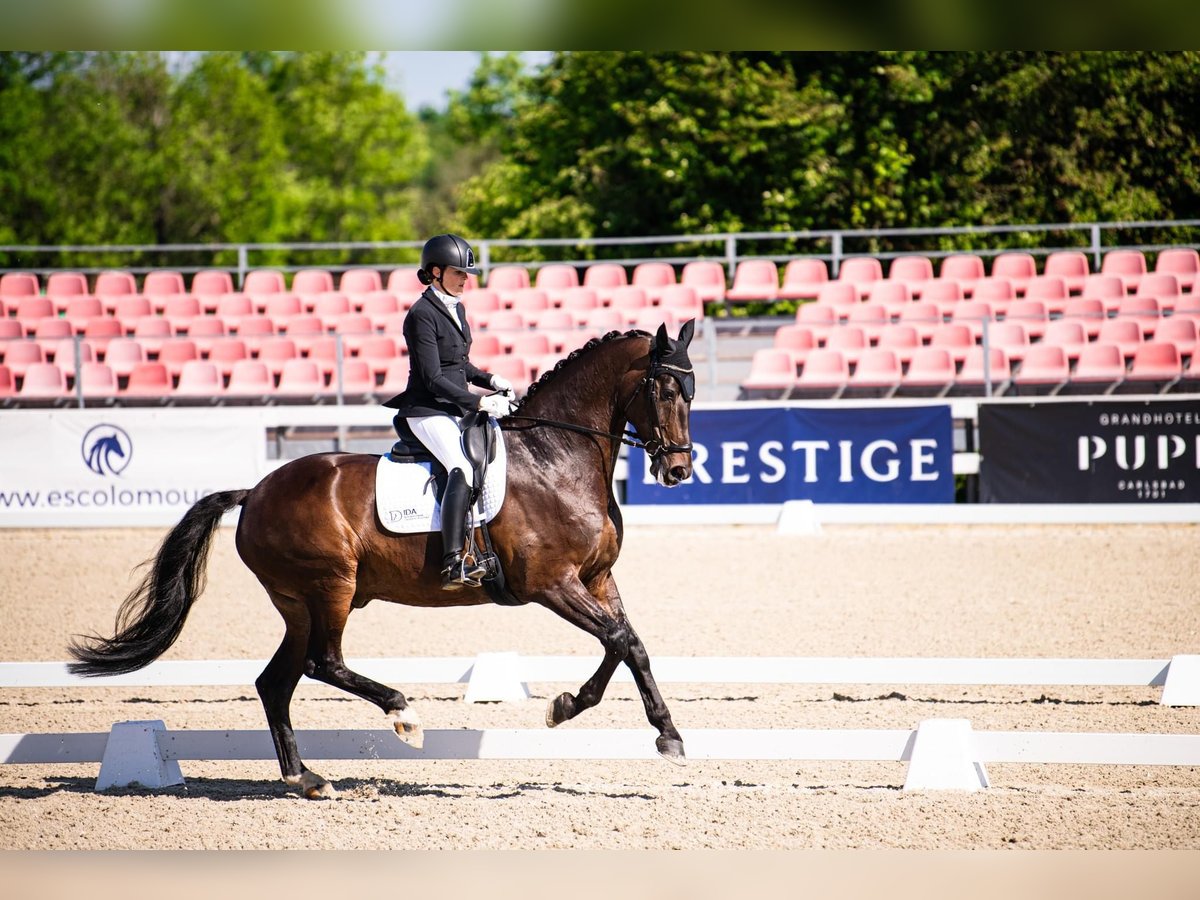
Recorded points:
(561, 708)
(671, 749)
(312, 786)
(408, 727)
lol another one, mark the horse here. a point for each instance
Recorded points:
(310, 533)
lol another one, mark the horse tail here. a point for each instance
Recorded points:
(151, 617)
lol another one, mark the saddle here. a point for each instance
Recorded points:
(479, 445)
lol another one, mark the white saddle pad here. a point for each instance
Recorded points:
(406, 495)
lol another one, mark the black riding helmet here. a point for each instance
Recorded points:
(446, 250)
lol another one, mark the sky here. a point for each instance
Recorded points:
(424, 76)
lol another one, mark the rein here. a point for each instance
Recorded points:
(629, 438)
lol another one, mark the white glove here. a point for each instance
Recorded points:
(496, 405)
(502, 384)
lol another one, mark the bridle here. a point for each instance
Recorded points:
(657, 447)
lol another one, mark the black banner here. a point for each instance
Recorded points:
(1147, 452)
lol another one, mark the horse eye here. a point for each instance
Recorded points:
(669, 394)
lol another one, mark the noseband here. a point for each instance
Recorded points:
(657, 447)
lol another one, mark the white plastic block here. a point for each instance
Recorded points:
(132, 756)
(495, 678)
(798, 517)
(1182, 687)
(944, 759)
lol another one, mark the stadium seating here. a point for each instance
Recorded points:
(19, 284)
(159, 285)
(580, 300)
(1156, 367)
(754, 280)
(975, 314)
(42, 381)
(964, 269)
(877, 374)
(1108, 289)
(1182, 262)
(972, 379)
(1019, 268)
(872, 318)
(113, 283)
(803, 278)
(629, 301)
(1071, 266)
(889, 296)
(555, 278)
(1127, 265)
(839, 294)
(1043, 371)
(707, 278)
(820, 317)
(604, 278)
(199, 381)
(1050, 290)
(516, 369)
(797, 340)
(180, 310)
(8, 385)
(772, 373)
(249, 378)
(9, 330)
(849, 340)
(20, 355)
(307, 282)
(903, 340)
(915, 271)
(225, 353)
(1180, 331)
(654, 278)
(930, 373)
(360, 281)
(1099, 369)
(300, 380)
(1162, 286)
(530, 303)
(62, 285)
(80, 309)
(1144, 310)
(1068, 335)
(683, 301)
(129, 309)
(997, 291)
(148, 382)
(1125, 334)
(176, 353)
(395, 378)
(944, 295)
(264, 281)
(31, 311)
(823, 376)
(1087, 311)
(503, 279)
(1009, 336)
(1030, 313)
(956, 338)
(862, 272)
(924, 317)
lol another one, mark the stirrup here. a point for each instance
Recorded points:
(462, 572)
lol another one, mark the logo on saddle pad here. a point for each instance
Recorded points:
(406, 494)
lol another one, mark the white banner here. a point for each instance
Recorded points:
(119, 466)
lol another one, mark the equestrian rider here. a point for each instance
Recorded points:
(437, 396)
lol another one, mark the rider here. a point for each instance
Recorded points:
(437, 396)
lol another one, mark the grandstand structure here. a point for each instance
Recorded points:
(1122, 319)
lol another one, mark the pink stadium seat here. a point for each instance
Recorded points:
(19, 284)
(797, 340)
(1066, 334)
(1188, 305)
(974, 314)
(123, 354)
(514, 368)
(903, 340)
(1128, 265)
(580, 299)
(199, 379)
(233, 308)
(997, 291)
(850, 340)
(8, 384)
(1156, 366)
(312, 281)
(945, 295)
(263, 281)
(915, 271)
(1071, 266)
(62, 352)
(114, 282)
(403, 282)
(61, 285)
(629, 301)
(176, 353)
(529, 302)
(862, 272)
(329, 307)
(955, 338)
(534, 348)
(838, 294)
(151, 331)
(159, 285)
(823, 376)
(1183, 263)
(353, 328)
(803, 277)
(707, 278)
(130, 309)
(300, 379)
(379, 306)
(889, 296)
(1100, 368)
(378, 352)
(249, 378)
(1108, 289)
(281, 307)
(754, 280)
(1125, 334)
(481, 304)
(42, 380)
(395, 378)
(924, 317)
(360, 281)
(1010, 337)
(604, 278)
(877, 374)
(820, 317)
(1162, 286)
(555, 278)
(1146, 311)
(654, 278)
(80, 309)
(357, 379)
(30, 311)
(1180, 331)
(1030, 313)
(212, 283)
(558, 325)
(253, 329)
(9, 329)
(99, 331)
(1050, 289)
(872, 318)
(507, 278)
(1018, 267)
(148, 380)
(930, 373)
(224, 352)
(972, 378)
(1044, 370)
(305, 330)
(966, 269)
(1087, 311)
(20, 355)
(683, 301)
(181, 310)
(506, 324)
(275, 351)
(97, 379)
(772, 374)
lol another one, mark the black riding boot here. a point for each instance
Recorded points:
(456, 572)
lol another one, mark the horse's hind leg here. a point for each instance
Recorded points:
(275, 687)
(324, 663)
(609, 624)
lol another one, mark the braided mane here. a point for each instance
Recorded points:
(550, 374)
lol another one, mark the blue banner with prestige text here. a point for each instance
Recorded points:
(770, 455)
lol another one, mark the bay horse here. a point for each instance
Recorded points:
(310, 532)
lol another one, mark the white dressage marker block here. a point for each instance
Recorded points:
(132, 756)
(944, 758)
(1182, 687)
(495, 678)
(798, 517)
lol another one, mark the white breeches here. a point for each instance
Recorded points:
(441, 437)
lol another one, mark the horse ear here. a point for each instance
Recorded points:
(685, 333)
(662, 340)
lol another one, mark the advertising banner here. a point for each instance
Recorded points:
(899, 454)
(114, 467)
(1142, 452)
